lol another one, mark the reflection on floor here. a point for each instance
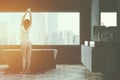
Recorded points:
(62, 72)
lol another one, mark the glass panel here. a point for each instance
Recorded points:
(48, 28)
(109, 19)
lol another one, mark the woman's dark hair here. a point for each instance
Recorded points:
(26, 24)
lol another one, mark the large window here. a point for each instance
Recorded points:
(109, 19)
(48, 28)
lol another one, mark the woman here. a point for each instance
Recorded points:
(25, 42)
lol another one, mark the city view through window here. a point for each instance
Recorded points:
(48, 28)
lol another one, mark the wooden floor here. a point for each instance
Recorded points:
(62, 72)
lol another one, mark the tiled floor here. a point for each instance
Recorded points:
(62, 72)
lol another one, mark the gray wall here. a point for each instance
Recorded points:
(108, 5)
(66, 54)
(85, 27)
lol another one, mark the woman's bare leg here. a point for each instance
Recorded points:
(24, 61)
(29, 58)
(23, 64)
(28, 63)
